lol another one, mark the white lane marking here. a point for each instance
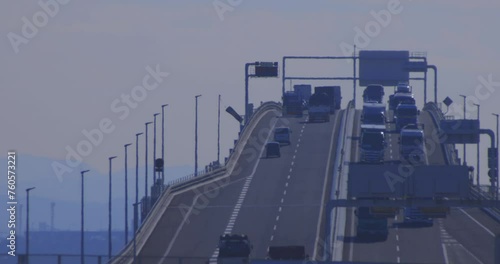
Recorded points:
(292, 163)
(284, 192)
(272, 237)
(397, 237)
(288, 177)
(478, 223)
(397, 248)
(277, 218)
(286, 185)
(399, 260)
(236, 209)
(297, 145)
(274, 228)
(282, 200)
(279, 209)
(445, 253)
(299, 138)
(290, 169)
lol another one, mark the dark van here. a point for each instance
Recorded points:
(273, 149)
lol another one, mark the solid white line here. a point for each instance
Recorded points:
(477, 222)
(180, 227)
(445, 253)
(328, 160)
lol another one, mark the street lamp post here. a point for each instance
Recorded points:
(110, 244)
(28, 223)
(465, 149)
(477, 169)
(154, 146)
(146, 205)
(496, 189)
(82, 240)
(218, 133)
(196, 136)
(126, 194)
(163, 142)
(136, 175)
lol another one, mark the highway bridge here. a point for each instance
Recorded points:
(283, 201)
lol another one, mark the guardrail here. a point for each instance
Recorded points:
(448, 149)
(177, 185)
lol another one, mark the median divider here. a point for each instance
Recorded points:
(179, 185)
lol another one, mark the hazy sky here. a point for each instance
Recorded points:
(72, 71)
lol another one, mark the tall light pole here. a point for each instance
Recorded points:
(154, 146)
(146, 167)
(136, 174)
(218, 133)
(135, 230)
(82, 240)
(110, 244)
(196, 136)
(465, 149)
(28, 224)
(163, 141)
(496, 191)
(126, 193)
(477, 169)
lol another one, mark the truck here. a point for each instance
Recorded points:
(234, 248)
(411, 144)
(373, 92)
(334, 96)
(304, 92)
(319, 107)
(403, 87)
(370, 225)
(400, 98)
(373, 113)
(372, 143)
(292, 105)
(287, 253)
(405, 114)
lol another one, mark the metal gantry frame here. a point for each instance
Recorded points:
(354, 78)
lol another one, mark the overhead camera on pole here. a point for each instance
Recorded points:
(157, 188)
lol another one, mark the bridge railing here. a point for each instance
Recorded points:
(176, 185)
(477, 192)
(448, 149)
